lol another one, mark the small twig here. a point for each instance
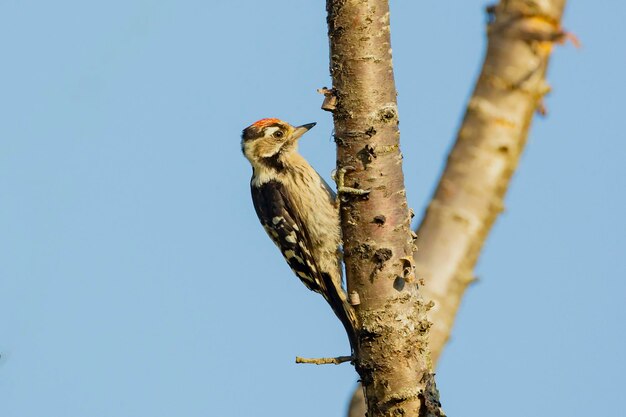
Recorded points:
(325, 361)
(339, 175)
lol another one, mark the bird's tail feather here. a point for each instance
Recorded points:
(338, 301)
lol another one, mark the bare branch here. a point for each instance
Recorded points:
(490, 141)
(324, 361)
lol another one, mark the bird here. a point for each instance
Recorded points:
(299, 211)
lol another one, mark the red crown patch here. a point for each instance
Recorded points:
(259, 124)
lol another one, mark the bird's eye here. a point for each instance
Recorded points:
(278, 134)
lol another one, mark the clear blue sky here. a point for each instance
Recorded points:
(135, 279)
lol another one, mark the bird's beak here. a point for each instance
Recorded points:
(301, 130)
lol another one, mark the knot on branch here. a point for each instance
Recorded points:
(367, 154)
(381, 256)
(388, 113)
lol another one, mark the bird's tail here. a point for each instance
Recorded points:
(338, 301)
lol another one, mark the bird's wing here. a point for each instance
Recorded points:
(286, 229)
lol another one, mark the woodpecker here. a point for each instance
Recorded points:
(298, 210)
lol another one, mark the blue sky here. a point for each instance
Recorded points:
(136, 280)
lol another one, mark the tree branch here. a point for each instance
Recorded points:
(489, 143)
(378, 242)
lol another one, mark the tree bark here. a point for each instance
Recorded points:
(391, 355)
(489, 143)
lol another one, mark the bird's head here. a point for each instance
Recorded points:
(268, 141)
